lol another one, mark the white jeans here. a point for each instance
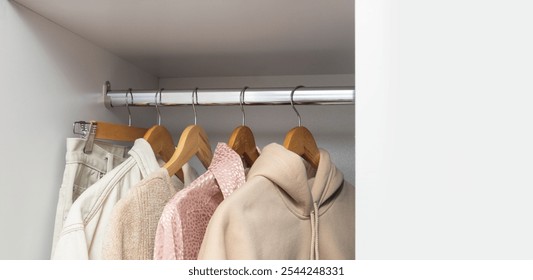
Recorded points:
(81, 171)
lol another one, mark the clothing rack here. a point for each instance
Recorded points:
(336, 95)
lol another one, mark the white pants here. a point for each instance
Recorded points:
(81, 171)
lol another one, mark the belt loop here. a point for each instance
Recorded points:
(110, 158)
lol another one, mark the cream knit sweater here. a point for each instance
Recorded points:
(132, 227)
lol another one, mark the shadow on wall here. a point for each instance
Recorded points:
(314, 62)
(82, 66)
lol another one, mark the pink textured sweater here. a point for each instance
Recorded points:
(185, 218)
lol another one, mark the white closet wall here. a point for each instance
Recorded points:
(444, 138)
(50, 77)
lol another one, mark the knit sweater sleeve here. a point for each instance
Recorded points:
(114, 237)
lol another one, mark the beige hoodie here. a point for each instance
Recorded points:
(273, 215)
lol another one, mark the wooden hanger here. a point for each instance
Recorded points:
(93, 130)
(161, 141)
(159, 137)
(242, 139)
(117, 132)
(300, 140)
(109, 131)
(193, 141)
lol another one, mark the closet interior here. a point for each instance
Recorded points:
(171, 72)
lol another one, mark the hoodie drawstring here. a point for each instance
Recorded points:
(314, 233)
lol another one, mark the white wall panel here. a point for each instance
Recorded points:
(444, 141)
(50, 77)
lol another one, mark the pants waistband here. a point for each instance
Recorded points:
(101, 157)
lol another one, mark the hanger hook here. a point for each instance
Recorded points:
(194, 96)
(241, 102)
(157, 105)
(128, 105)
(294, 108)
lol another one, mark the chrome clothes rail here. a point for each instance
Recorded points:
(229, 96)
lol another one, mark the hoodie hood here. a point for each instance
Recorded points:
(302, 188)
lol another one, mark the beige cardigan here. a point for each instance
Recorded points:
(133, 223)
(284, 211)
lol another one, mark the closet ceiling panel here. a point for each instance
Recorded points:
(193, 38)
